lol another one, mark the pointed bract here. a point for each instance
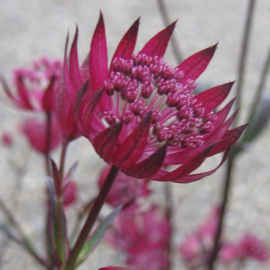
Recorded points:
(213, 97)
(149, 166)
(132, 148)
(195, 65)
(157, 45)
(105, 143)
(127, 44)
(74, 70)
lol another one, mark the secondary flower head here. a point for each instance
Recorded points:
(144, 238)
(35, 85)
(141, 113)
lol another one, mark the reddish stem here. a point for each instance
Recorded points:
(92, 217)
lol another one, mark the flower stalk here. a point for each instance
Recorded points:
(92, 216)
(225, 199)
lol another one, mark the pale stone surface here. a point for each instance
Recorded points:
(32, 28)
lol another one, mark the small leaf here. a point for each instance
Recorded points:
(56, 178)
(50, 185)
(71, 172)
(96, 237)
(260, 120)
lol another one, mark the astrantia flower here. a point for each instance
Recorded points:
(141, 113)
(125, 190)
(35, 85)
(144, 238)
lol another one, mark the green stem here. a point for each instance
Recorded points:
(92, 216)
(60, 232)
(59, 224)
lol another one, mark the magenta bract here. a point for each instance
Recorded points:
(140, 113)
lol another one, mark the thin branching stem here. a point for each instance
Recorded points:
(260, 88)
(243, 56)
(166, 19)
(226, 190)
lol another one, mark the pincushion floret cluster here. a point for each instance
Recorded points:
(141, 114)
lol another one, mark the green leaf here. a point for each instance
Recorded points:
(259, 121)
(96, 237)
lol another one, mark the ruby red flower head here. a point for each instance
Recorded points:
(35, 85)
(140, 113)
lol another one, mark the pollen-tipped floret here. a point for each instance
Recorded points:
(148, 84)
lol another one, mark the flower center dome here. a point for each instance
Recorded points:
(149, 84)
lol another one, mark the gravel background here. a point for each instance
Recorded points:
(31, 28)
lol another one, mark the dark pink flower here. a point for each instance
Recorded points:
(125, 189)
(35, 130)
(35, 86)
(140, 113)
(228, 253)
(70, 193)
(143, 237)
(191, 250)
(252, 247)
(7, 139)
